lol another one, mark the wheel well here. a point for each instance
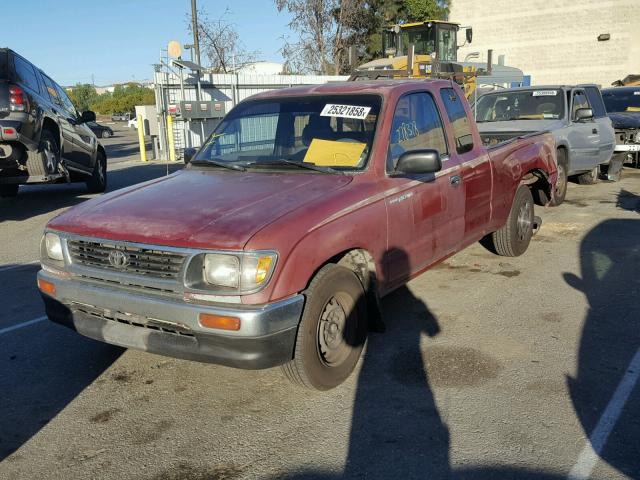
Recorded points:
(538, 181)
(48, 124)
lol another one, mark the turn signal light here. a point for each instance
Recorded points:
(220, 322)
(47, 287)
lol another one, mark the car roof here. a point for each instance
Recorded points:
(372, 87)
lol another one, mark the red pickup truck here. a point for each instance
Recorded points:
(275, 243)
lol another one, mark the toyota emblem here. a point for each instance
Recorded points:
(118, 258)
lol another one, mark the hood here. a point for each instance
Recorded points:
(197, 208)
(625, 119)
(524, 126)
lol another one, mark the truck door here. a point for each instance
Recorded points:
(474, 164)
(425, 212)
(584, 137)
(604, 126)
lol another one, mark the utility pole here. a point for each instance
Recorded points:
(194, 27)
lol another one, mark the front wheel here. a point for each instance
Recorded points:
(98, 181)
(513, 239)
(105, 134)
(332, 331)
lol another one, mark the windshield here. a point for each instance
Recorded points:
(520, 105)
(422, 37)
(623, 100)
(325, 131)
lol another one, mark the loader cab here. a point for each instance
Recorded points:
(431, 38)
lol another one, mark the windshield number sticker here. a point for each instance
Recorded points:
(345, 111)
(545, 93)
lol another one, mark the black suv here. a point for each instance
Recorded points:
(43, 139)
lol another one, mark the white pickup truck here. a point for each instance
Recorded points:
(576, 116)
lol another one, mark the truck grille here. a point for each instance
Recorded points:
(128, 259)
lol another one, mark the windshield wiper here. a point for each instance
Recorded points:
(286, 161)
(220, 163)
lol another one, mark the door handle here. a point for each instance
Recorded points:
(594, 130)
(455, 180)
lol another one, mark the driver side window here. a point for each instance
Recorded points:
(579, 101)
(416, 125)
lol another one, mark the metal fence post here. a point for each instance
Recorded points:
(143, 147)
(172, 149)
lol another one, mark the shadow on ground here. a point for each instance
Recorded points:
(610, 279)
(43, 367)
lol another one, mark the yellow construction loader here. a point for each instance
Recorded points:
(422, 50)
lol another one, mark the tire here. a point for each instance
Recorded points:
(105, 134)
(9, 190)
(98, 181)
(49, 151)
(560, 191)
(513, 239)
(332, 331)
(588, 178)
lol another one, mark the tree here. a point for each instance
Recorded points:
(82, 96)
(124, 99)
(325, 30)
(421, 10)
(220, 43)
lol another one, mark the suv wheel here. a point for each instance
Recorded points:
(105, 134)
(98, 181)
(9, 190)
(49, 151)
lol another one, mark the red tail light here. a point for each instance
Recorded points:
(18, 99)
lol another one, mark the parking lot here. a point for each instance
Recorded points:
(489, 368)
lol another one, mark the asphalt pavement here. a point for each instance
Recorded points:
(490, 368)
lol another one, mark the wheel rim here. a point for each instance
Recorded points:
(101, 171)
(525, 220)
(50, 156)
(333, 349)
(561, 184)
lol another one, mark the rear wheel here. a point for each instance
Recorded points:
(9, 190)
(513, 239)
(588, 178)
(49, 151)
(105, 134)
(332, 331)
(98, 181)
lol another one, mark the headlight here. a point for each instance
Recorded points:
(53, 246)
(243, 272)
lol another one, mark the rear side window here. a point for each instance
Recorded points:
(3, 64)
(458, 120)
(25, 73)
(416, 125)
(51, 88)
(595, 99)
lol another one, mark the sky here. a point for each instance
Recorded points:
(119, 40)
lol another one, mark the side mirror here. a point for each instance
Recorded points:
(583, 114)
(469, 34)
(88, 116)
(188, 154)
(419, 162)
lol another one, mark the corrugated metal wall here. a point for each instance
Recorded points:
(236, 87)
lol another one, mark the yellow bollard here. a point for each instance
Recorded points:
(143, 147)
(172, 148)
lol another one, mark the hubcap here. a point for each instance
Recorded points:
(50, 157)
(524, 220)
(332, 347)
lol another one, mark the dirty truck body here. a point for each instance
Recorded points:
(247, 260)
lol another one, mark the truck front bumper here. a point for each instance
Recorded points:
(171, 326)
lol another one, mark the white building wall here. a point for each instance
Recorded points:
(555, 41)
